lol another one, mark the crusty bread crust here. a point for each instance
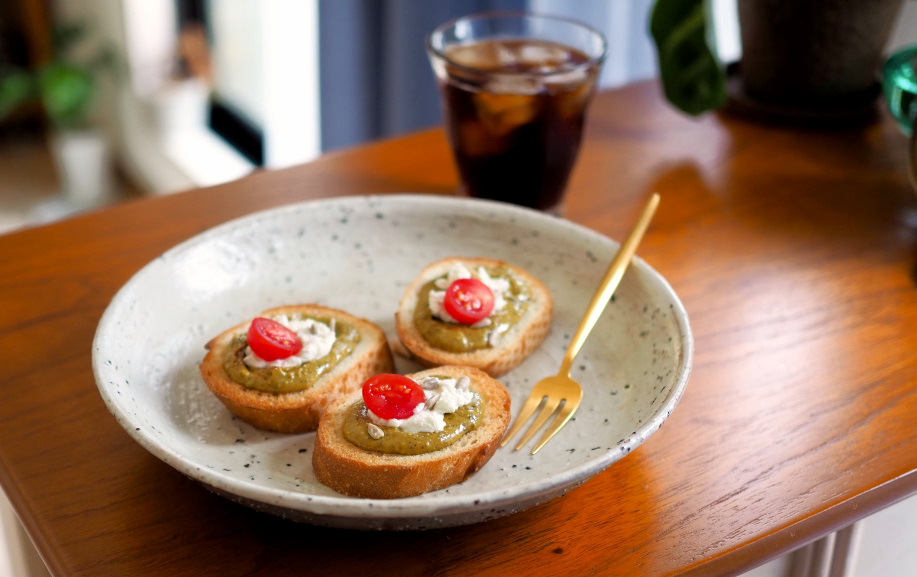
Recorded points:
(514, 346)
(353, 471)
(299, 411)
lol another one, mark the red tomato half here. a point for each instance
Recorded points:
(468, 300)
(271, 340)
(392, 396)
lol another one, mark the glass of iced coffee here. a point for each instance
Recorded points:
(515, 89)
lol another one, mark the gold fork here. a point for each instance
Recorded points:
(561, 390)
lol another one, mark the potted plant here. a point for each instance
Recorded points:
(65, 89)
(803, 61)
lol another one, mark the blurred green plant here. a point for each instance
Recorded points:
(693, 79)
(65, 87)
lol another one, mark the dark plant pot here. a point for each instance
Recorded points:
(812, 60)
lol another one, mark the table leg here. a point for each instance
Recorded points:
(831, 556)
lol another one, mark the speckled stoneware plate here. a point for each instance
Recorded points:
(358, 254)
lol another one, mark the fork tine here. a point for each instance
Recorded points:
(563, 415)
(547, 410)
(524, 413)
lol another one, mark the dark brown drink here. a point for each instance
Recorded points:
(514, 112)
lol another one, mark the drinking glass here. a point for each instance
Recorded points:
(515, 89)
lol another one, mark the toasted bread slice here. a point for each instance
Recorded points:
(354, 471)
(295, 412)
(499, 357)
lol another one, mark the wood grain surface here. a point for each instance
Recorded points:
(793, 252)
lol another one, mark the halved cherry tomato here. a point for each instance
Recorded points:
(468, 300)
(271, 340)
(391, 396)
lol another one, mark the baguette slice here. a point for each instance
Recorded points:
(299, 411)
(353, 471)
(513, 347)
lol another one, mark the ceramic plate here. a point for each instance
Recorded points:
(358, 254)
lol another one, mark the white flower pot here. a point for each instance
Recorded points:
(84, 167)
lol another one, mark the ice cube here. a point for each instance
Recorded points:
(572, 102)
(567, 79)
(506, 57)
(478, 55)
(502, 113)
(513, 84)
(474, 140)
(543, 55)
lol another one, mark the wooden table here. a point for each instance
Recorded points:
(794, 253)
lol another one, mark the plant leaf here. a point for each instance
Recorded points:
(67, 93)
(16, 88)
(692, 78)
(65, 36)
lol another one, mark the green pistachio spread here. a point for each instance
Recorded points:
(396, 441)
(459, 338)
(291, 379)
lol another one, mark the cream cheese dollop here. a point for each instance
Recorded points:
(498, 286)
(442, 396)
(317, 339)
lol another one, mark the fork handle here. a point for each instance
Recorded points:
(609, 283)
